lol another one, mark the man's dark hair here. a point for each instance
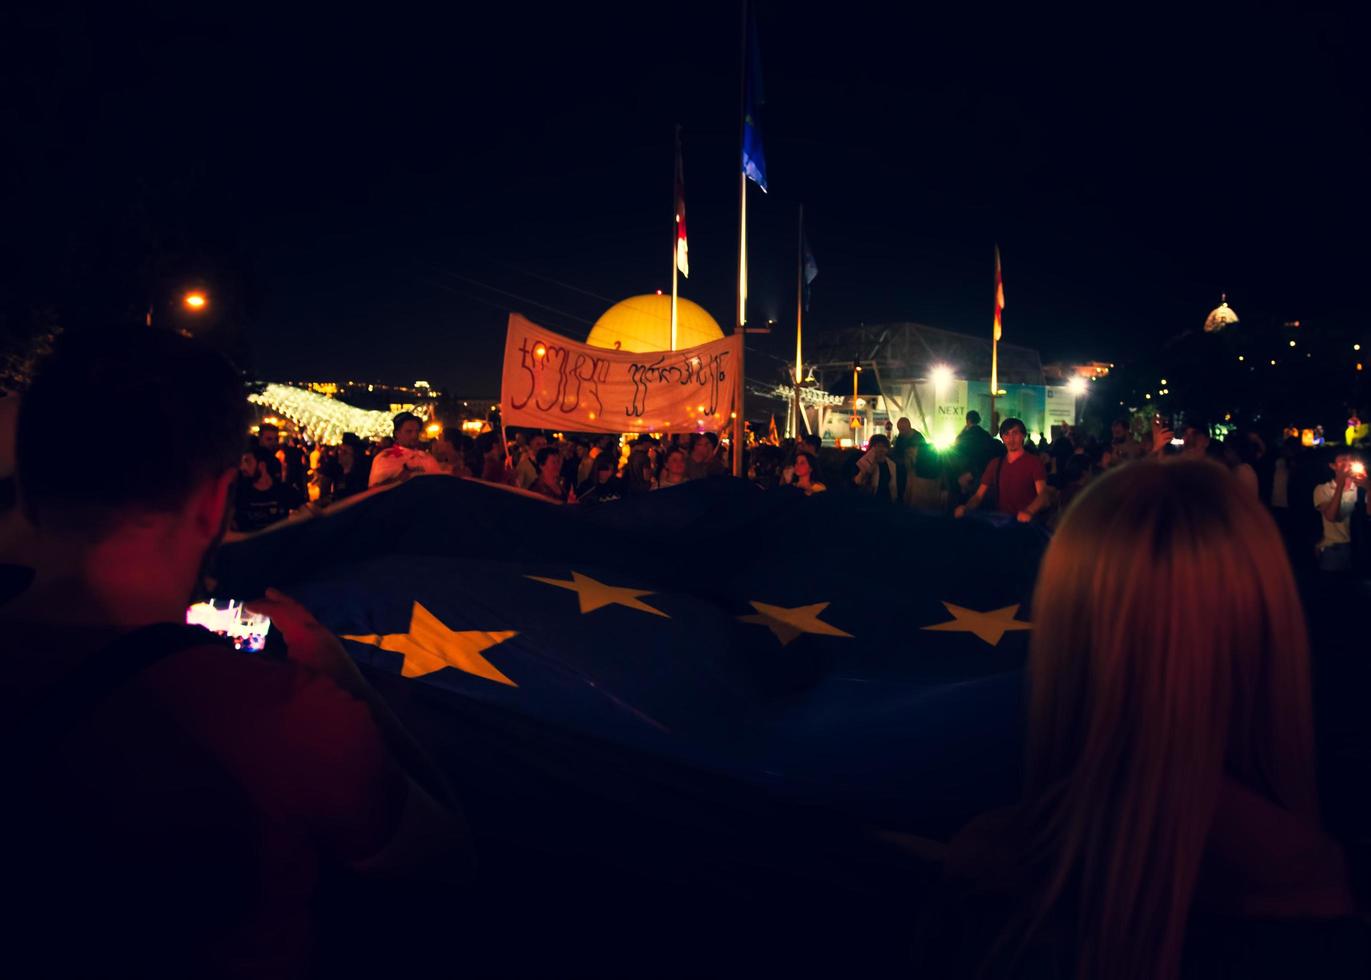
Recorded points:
(1328, 455)
(268, 427)
(543, 455)
(879, 439)
(402, 418)
(1010, 424)
(974, 417)
(171, 385)
(816, 442)
(708, 437)
(1120, 421)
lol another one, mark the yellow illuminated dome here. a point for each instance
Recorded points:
(643, 323)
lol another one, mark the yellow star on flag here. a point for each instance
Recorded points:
(594, 595)
(989, 626)
(430, 646)
(788, 624)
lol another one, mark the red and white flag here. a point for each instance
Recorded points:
(682, 251)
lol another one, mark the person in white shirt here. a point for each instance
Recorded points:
(404, 456)
(1335, 501)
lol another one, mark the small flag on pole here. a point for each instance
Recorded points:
(682, 251)
(754, 159)
(773, 436)
(999, 293)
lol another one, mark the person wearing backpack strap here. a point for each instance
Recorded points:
(1017, 479)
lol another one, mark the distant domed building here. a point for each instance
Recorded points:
(643, 323)
(1220, 316)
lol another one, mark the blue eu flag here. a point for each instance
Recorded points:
(679, 627)
(754, 158)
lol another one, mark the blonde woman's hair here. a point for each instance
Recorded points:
(1169, 648)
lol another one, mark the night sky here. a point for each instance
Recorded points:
(365, 192)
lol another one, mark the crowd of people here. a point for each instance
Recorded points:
(1012, 476)
(182, 807)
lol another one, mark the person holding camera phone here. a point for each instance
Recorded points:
(177, 805)
(876, 471)
(1336, 501)
(1018, 479)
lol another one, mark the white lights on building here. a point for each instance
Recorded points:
(321, 418)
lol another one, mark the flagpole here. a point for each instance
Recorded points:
(994, 380)
(674, 274)
(739, 442)
(799, 314)
(675, 232)
(995, 347)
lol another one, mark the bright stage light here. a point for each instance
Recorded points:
(941, 375)
(1076, 386)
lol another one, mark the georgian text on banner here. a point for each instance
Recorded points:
(552, 382)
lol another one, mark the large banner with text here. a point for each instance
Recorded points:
(551, 382)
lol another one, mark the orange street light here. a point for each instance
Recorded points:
(195, 301)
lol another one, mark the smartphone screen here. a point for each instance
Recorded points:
(231, 619)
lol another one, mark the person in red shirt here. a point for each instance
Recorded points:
(494, 460)
(182, 803)
(1016, 480)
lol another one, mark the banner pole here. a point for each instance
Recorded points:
(504, 442)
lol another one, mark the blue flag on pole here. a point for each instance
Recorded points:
(754, 158)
